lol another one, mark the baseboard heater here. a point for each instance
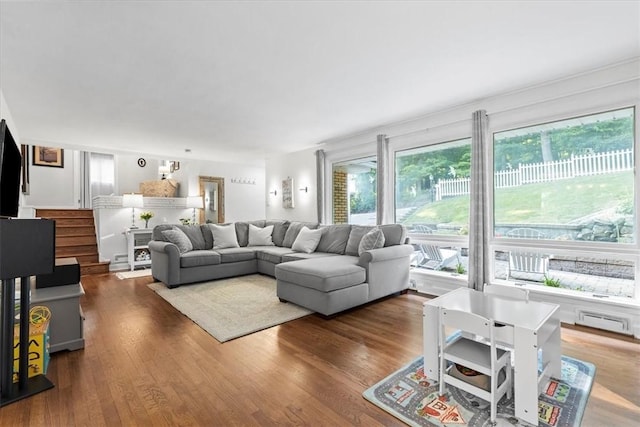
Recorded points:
(604, 321)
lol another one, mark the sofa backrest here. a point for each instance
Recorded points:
(334, 238)
(294, 229)
(394, 234)
(338, 238)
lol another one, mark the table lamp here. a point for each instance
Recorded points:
(195, 202)
(132, 201)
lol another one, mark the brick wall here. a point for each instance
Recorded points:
(340, 198)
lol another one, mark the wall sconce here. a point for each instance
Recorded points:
(195, 202)
(132, 201)
(274, 192)
(305, 189)
(174, 166)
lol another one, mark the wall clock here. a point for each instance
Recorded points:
(142, 162)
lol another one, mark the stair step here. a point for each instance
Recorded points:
(94, 268)
(64, 213)
(75, 251)
(64, 241)
(75, 230)
(85, 259)
(76, 237)
(73, 221)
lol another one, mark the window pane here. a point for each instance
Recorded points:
(432, 188)
(446, 258)
(597, 275)
(571, 180)
(354, 192)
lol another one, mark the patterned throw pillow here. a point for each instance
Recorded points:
(307, 240)
(224, 236)
(260, 236)
(178, 238)
(374, 239)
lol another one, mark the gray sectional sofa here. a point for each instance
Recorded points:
(348, 266)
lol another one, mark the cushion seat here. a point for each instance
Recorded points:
(236, 254)
(324, 274)
(199, 258)
(272, 254)
(296, 256)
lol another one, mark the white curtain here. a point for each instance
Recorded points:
(479, 261)
(102, 174)
(320, 185)
(382, 177)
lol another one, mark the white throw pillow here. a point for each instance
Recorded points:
(224, 236)
(374, 239)
(259, 236)
(307, 240)
(178, 238)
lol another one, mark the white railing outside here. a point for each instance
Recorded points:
(530, 173)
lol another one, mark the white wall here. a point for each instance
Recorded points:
(5, 113)
(51, 187)
(301, 167)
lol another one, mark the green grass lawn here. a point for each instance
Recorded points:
(558, 202)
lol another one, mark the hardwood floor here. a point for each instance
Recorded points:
(146, 364)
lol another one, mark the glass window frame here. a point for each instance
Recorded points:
(623, 251)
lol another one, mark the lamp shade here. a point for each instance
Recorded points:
(195, 202)
(27, 247)
(132, 201)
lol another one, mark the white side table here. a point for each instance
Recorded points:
(138, 254)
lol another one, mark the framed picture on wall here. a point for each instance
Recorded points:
(287, 193)
(48, 156)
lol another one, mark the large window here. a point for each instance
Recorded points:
(432, 200)
(432, 188)
(565, 191)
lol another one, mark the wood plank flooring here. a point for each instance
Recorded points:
(145, 364)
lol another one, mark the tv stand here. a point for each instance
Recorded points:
(26, 249)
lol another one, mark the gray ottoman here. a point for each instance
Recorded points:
(326, 285)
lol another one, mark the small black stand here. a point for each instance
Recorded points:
(27, 247)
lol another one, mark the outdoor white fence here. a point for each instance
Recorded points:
(530, 173)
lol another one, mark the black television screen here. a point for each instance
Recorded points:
(10, 168)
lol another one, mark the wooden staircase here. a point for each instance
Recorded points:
(76, 237)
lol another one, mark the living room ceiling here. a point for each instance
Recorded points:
(241, 81)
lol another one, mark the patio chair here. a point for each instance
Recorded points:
(527, 262)
(433, 257)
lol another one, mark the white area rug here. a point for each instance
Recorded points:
(231, 308)
(133, 274)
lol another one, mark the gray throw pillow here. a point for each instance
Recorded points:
(355, 236)
(194, 234)
(279, 230)
(374, 239)
(307, 240)
(224, 236)
(334, 238)
(178, 238)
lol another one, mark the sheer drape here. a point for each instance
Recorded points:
(320, 185)
(102, 174)
(478, 215)
(382, 178)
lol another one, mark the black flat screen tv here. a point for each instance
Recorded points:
(10, 168)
